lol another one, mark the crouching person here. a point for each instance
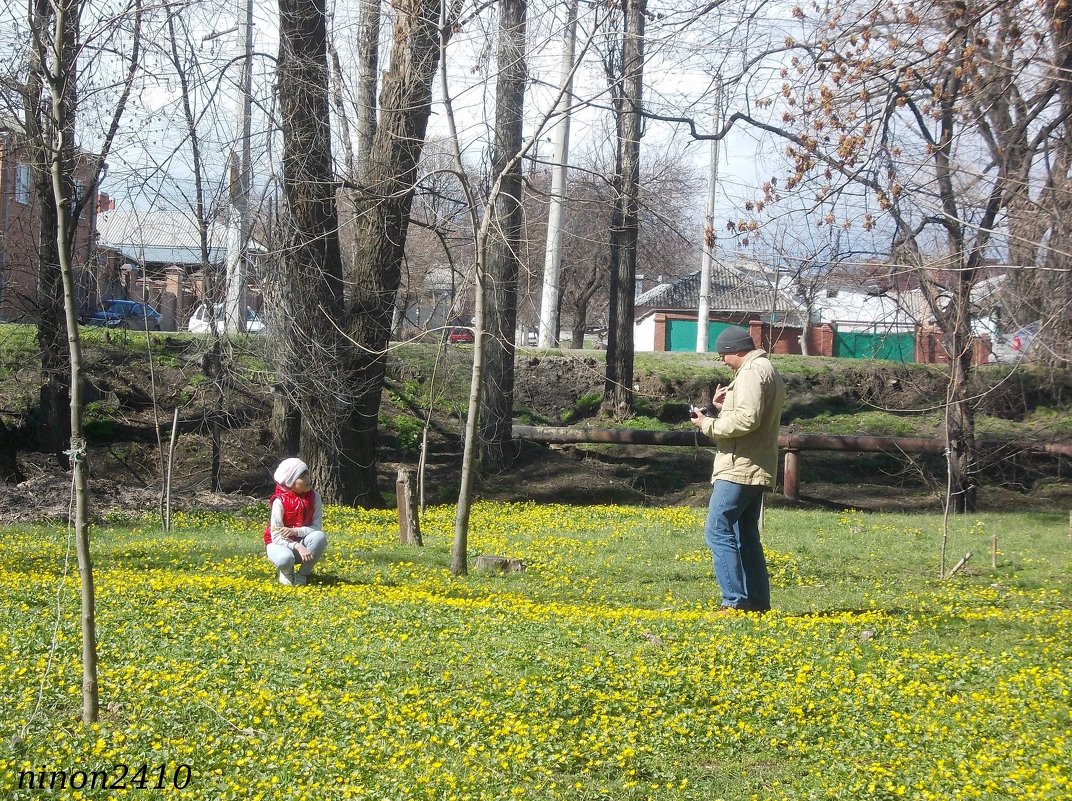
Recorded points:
(294, 537)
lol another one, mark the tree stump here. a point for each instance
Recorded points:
(498, 564)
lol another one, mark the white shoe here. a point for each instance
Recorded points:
(300, 580)
(286, 579)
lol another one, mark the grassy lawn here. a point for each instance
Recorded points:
(598, 673)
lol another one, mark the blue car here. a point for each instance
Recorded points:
(125, 314)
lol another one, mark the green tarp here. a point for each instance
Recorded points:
(681, 335)
(862, 345)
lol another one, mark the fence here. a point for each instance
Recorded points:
(793, 444)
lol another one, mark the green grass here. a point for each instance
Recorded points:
(683, 368)
(598, 673)
(873, 423)
(1057, 422)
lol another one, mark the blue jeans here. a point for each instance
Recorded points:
(732, 534)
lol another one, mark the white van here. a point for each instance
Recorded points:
(199, 321)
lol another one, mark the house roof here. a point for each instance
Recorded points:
(734, 288)
(161, 237)
(11, 124)
(856, 309)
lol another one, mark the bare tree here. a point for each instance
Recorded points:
(504, 252)
(668, 186)
(485, 221)
(51, 99)
(307, 281)
(807, 256)
(181, 55)
(1027, 67)
(368, 75)
(888, 97)
(618, 388)
(383, 222)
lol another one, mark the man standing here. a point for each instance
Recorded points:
(745, 432)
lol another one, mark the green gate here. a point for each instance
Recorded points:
(862, 345)
(681, 335)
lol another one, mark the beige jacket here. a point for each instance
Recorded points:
(746, 430)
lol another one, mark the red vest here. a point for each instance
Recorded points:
(297, 509)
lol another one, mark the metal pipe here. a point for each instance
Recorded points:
(791, 475)
(861, 444)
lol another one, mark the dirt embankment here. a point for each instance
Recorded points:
(130, 405)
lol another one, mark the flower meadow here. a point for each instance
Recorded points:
(600, 672)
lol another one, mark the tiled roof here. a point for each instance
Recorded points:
(11, 124)
(731, 290)
(161, 237)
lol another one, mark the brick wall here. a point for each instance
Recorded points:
(931, 350)
(821, 340)
(776, 339)
(21, 232)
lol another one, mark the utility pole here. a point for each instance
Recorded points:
(707, 260)
(240, 169)
(552, 265)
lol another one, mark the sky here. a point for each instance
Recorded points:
(151, 166)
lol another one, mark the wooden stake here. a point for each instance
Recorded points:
(959, 565)
(994, 551)
(170, 465)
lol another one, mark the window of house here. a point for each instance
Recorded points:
(22, 183)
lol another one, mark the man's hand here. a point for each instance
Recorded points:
(304, 554)
(719, 397)
(697, 417)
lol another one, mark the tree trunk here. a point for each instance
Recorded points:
(59, 147)
(504, 250)
(53, 430)
(614, 365)
(459, 548)
(308, 281)
(960, 424)
(1039, 227)
(383, 222)
(579, 324)
(580, 307)
(368, 65)
(285, 424)
(1056, 333)
(618, 390)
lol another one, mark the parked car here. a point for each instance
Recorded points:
(460, 336)
(1013, 347)
(125, 314)
(199, 320)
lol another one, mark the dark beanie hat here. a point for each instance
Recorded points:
(734, 340)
